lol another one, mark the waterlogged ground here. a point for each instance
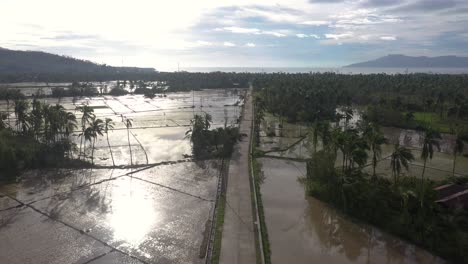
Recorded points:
(293, 141)
(304, 230)
(155, 213)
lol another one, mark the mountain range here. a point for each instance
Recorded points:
(27, 62)
(402, 61)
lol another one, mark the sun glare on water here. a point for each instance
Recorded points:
(132, 217)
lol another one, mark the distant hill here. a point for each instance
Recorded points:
(37, 62)
(402, 61)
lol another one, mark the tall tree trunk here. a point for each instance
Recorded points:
(92, 151)
(129, 146)
(81, 143)
(374, 164)
(110, 149)
(8, 113)
(344, 161)
(454, 164)
(422, 183)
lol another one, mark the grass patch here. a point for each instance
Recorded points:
(442, 125)
(218, 230)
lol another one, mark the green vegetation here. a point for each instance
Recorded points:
(257, 170)
(208, 143)
(39, 137)
(405, 207)
(219, 230)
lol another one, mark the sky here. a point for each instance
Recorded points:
(235, 33)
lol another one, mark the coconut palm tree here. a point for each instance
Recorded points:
(70, 123)
(457, 149)
(208, 121)
(87, 115)
(401, 157)
(7, 98)
(21, 113)
(128, 124)
(315, 136)
(375, 139)
(348, 115)
(431, 140)
(96, 129)
(3, 117)
(58, 122)
(37, 119)
(321, 132)
(109, 124)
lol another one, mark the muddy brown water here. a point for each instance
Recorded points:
(305, 230)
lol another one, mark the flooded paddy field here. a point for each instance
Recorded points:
(292, 141)
(305, 230)
(302, 229)
(156, 212)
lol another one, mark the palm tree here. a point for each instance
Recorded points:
(375, 139)
(401, 157)
(88, 136)
(457, 149)
(97, 127)
(128, 124)
(7, 98)
(21, 108)
(348, 114)
(322, 132)
(315, 136)
(70, 123)
(87, 115)
(431, 140)
(37, 115)
(3, 117)
(208, 121)
(109, 124)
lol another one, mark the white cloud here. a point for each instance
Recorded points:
(159, 33)
(273, 33)
(254, 31)
(250, 45)
(339, 36)
(239, 30)
(388, 38)
(315, 36)
(229, 44)
(315, 23)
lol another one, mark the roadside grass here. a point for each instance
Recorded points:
(218, 230)
(261, 214)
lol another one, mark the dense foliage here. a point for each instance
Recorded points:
(405, 206)
(38, 136)
(207, 143)
(307, 97)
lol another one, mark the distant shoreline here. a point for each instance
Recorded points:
(339, 70)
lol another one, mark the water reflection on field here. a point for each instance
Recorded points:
(159, 124)
(293, 141)
(304, 230)
(156, 213)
